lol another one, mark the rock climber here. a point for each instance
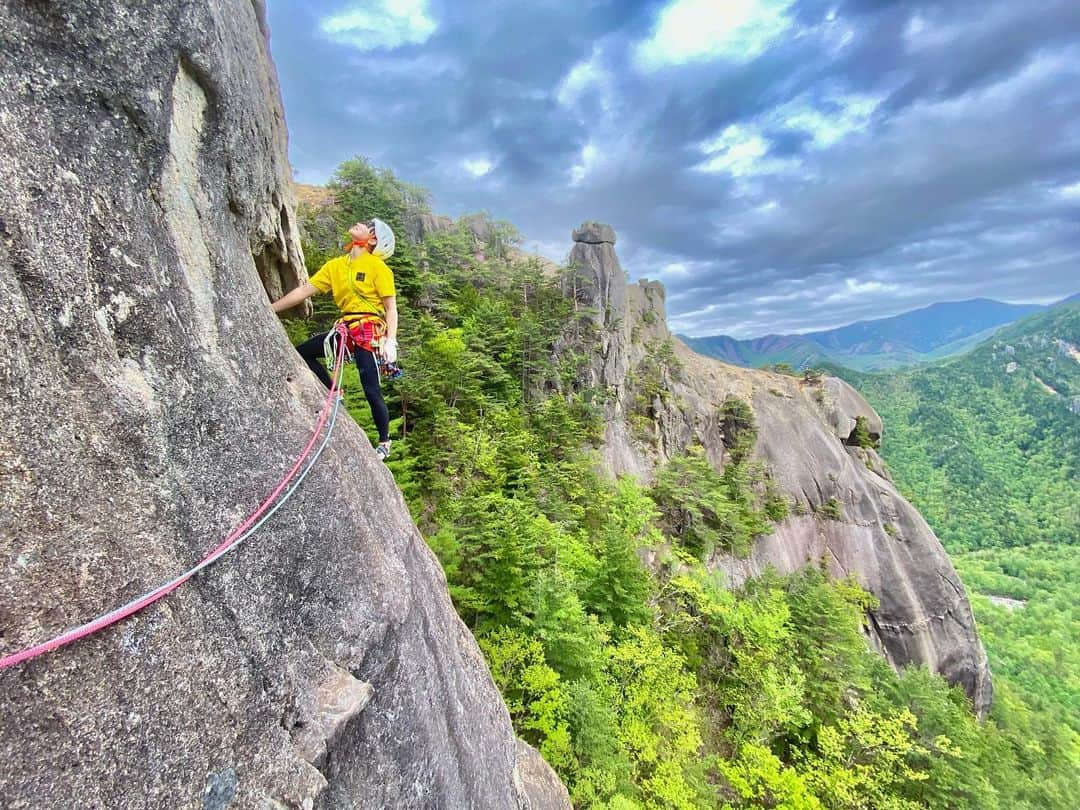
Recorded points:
(363, 289)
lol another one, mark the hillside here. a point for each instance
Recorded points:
(909, 339)
(1028, 607)
(988, 444)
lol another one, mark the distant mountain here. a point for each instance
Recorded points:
(919, 336)
(987, 445)
(1075, 297)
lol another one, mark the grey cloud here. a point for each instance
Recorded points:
(787, 142)
(931, 203)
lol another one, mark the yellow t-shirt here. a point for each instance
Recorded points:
(359, 284)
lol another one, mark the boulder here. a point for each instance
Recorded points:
(151, 400)
(422, 223)
(842, 405)
(479, 225)
(594, 233)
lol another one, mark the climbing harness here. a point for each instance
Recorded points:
(367, 331)
(238, 535)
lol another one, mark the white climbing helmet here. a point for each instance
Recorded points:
(384, 247)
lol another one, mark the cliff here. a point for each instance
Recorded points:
(805, 438)
(150, 401)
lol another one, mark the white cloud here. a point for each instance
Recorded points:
(701, 30)
(381, 24)
(835, 32)
(922, 34)
(674, 270)
(1070, 192)
(781, 298)
(914, 27)
(853, 288)
(850, 113)
(735, 150)
(478, 166)
(740, 151)
(588, 162)
(582, 77)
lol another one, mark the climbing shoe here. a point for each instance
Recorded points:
(382, 450)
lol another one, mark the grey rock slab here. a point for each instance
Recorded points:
(842, 404)
(336, 700)
(151, 400)
(538, 781)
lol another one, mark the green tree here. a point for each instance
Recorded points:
(619, 591)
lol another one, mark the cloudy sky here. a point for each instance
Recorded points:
(781, 165)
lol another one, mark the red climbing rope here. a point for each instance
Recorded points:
(235, 537)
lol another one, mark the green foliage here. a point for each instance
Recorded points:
(537, 699)
(620, 588)
(1034, 643)
(831, 509)
(751, 688)
(704, 510)
(827, 620)
(991, 457)
(655, 722)
(864, 761)
(649, 385)
(860, 436)
(756, 777)
(739, 428)
(777, 505)
(297, 330)
(782, 368)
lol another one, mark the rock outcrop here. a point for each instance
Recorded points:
(150, 401)
(804, 433)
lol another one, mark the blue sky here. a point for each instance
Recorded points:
(781, 165)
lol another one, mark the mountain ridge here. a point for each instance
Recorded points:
(910, 338)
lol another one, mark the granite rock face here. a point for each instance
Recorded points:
(537, 781)
(803, 427)
(843, 405)
(151, 400)
(594, 233)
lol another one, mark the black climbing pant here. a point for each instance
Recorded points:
(312, 351)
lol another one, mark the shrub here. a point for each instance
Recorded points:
(831, 509)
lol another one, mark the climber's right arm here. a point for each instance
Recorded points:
(297, 296)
